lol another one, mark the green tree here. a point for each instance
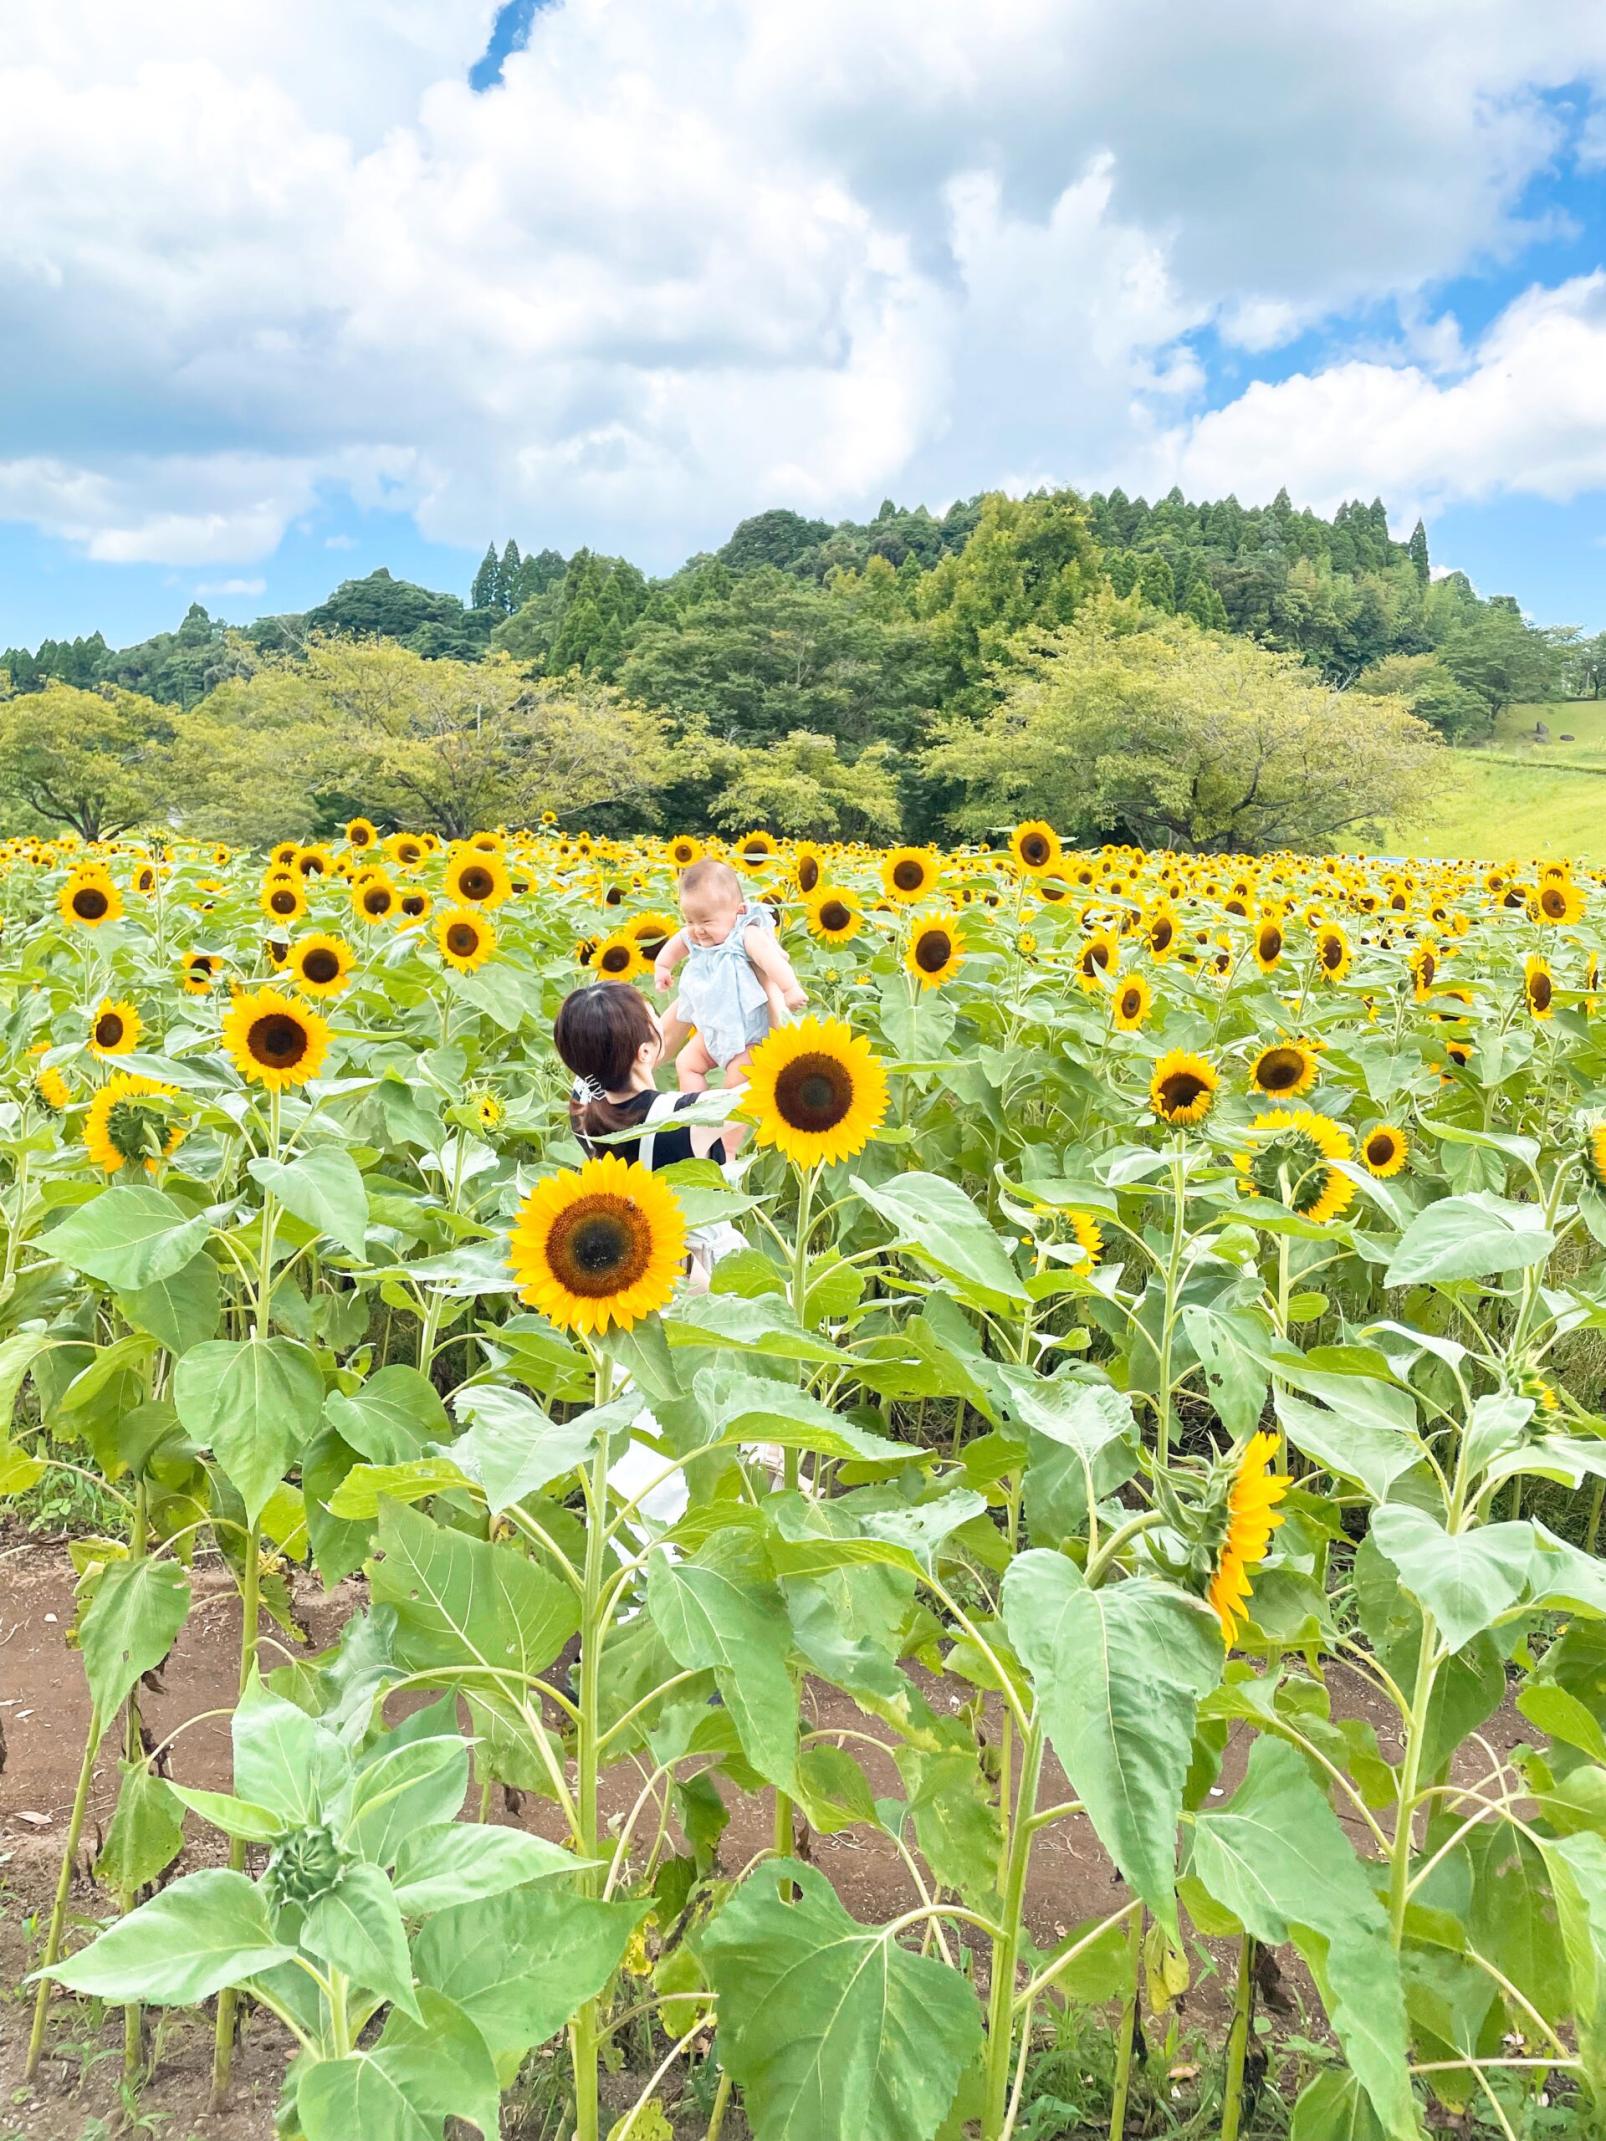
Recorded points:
(802, 787)
(483, 594)
(1417, 551)
(1031, 561)
(1432, 693)
(1156, 583)
(1495, 652)
(89, 762)
(507, 579)
(1150, 730)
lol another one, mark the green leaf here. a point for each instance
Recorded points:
(936, 1222)
(178, 1311)
(1226, 1342)
(1375, 1453)
(1577, 1868)
(711, 1618)
(357, 1926)
(1277, 1858)
(831, 2027)
(1334, 2107)
(323, 1188)
(404, 2091)
(763, 1324)
(391, 1417)
(208, 1930)
(460, 1862)
(462, 2076)
(1470, 1237)
(366, 1488)
(416, 1777)
(235, 1817)
(129, 1236)
(1119, 1673)
(1079, 1436)
(128, 1627)
(255, 1403)
(466, 1603)
(512, 1448)
(736, 1408)
(521, 1965)
(285, 1760)
(147, 1831)
(17, 1355)
(1465, 1579)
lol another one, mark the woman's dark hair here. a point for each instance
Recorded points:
(596, 1033)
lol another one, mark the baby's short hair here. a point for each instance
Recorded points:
(711, 875)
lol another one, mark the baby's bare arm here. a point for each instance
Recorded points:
(669, 957)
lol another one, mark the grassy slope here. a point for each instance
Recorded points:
(1516, 797)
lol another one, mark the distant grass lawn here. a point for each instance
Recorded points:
(1516, 797)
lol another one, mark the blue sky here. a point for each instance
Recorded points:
(297, 294)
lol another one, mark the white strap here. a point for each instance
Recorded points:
(663, 1106)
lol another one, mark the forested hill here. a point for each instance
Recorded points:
(864, 632)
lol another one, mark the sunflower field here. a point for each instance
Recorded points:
(1155, 1431)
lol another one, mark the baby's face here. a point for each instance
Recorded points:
(709, 916)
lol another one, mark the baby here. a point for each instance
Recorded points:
(738, 982)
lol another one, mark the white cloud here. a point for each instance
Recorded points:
(699, 256)
(254, 586)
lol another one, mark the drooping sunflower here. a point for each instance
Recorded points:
(274, 1041)
(89, 898)
(1557, 901)
(282, 897)
(935, 951)
(1160, 933)
(1247, 1494)
(116, 1027)
(1035, 847)
(1592, 1157)
(320, 964)
(600, 1248)
(808, 867)
(816, 1091)
(834, 916)
(1333, 954)
(909, 874)
(1384, 1150)
(129, 1121)
(1538, 987)
(1269, 942)
(1183, 1088)
(476, 879)
(619, 957)
(1285, 1070)
(1089, 1239)
(199, 971)
(50, 1088)
(1292, 1163)
(465, 939)
(1131, 1004)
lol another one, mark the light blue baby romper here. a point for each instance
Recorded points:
(721, 995)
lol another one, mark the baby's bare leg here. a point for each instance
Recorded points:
(693, 1065)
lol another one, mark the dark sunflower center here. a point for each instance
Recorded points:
(108, 1029)
(808, 874)
(599, 1246)
(1553, 902)
(813, 1093)
(1051, 893)
(414, 904)
(756, 850)
(277, 1040)
(1161, 933)
(1427, 966)
(360, 836)
(1131, 1003)
(463, 939)
(909, 875)
(1096, 958)
(1280, 1070)
(89, 903)
(283, 902)
(476, 883)
(1180, 1089)
(1034, 850)
(200, 970)
(614, 960)
(1332, 952)
(310, 865)
(1271, 944)
(933, 950)
(408, 852)
(835, 915)
(321, 965)
(1539, 992)
(1380, 1148)
(376, 900)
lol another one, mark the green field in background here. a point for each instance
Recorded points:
(1516, 797)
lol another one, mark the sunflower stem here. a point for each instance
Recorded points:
(250, 1612)
(1127, 2028)
(1232, 2101)
(58, 1909)
(1006, 1949)
(585, 2033)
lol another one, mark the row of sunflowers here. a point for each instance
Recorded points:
(1159, 1393)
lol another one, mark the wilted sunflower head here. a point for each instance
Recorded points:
(1183, 1088)
(600, 1248)
(272, 1040)
(1284, 1070)
(816, 1091)
(1291, 1163)
(935, 951)
(465, 939)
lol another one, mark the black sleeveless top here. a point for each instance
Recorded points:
(670, 1143)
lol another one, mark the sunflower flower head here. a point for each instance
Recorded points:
(131, 1121)
(1236, 1515)
(1291, 1163)
(1183, 1088)
(816, 1091)
(274, 1041)
(600, 1248)
(115, 1028)
(935, 950)
(1592, 1156)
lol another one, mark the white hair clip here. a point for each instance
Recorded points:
(587, 1089)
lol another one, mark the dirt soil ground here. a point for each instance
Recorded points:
(44, 1714)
